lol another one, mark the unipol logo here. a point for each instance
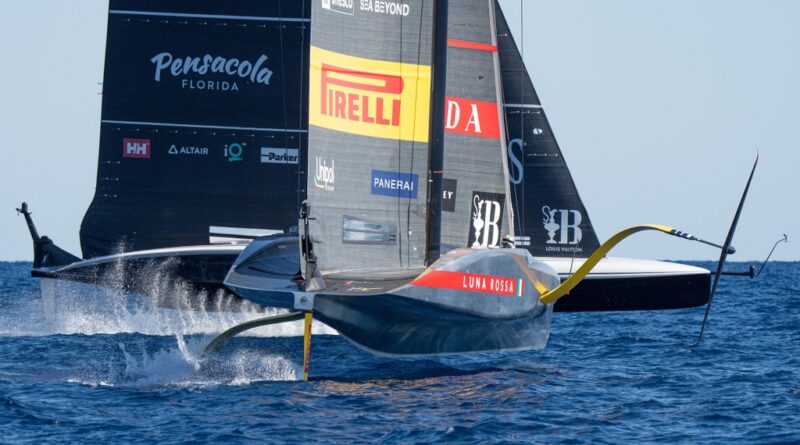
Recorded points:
(472, 117)
(562, 225)
(323, 175)
(487, 219)
(360, 96)
(341, 6)
(255, 72)
(136, 148)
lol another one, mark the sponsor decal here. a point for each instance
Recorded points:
(369, 97)
(340, 6)
(472, 117)
(516, 152)
(192, 70)
(563, 227)
(234, 151)
(537, 131)
(395, 184)
(188, 150)
(385, 7)
(324, 175)
(136, 148)
(472, 282)
(487, 219)
(281, 156)
(449, 187)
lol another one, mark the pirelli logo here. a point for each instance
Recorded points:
(369, 97)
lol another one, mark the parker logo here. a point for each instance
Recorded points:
(280, 156)
(324, 175)
(394, 184)
(472, 282)
(136, 148)
(564, 223)
(340, 6)
(472, 117)
(369, 97)
(487, 219)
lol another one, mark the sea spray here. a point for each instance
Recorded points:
(177, 308)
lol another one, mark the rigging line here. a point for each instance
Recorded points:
(522, 113)
(299, 196)
(288, 174)
(414, 130)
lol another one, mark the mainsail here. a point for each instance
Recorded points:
(548, 210)
(476, 210)
(369, 107)
(203, 131)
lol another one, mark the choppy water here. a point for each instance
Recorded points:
(79, 365)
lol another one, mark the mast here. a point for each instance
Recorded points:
(436, 153)
(498, 82)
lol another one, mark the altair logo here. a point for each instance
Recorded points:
(323, 175)
(255, 72)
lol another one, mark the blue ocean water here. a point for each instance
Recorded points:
(80, 365)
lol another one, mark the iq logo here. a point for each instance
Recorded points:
(136, 148)
(234, 152)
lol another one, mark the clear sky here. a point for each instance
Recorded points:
(658, 107)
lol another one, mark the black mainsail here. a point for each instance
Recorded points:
(203, 132)
(549, 212)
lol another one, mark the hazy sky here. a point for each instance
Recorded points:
(658, 107)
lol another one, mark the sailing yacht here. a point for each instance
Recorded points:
(202, 143)
(203, 148)
(406, 108)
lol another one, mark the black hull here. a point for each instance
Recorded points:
(637, 293)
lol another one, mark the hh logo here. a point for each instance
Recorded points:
(487, 219)
(472, 117)
(136, 148)
(369, 97)
(564, 223)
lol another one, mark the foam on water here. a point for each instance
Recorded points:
(181, 365)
